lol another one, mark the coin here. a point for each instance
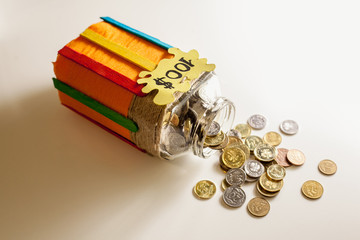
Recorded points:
(234, 133)
(289, 127)
(235, 176)
(250, 179)
(269, 185)
(327, 167)
(253, 168)
(214, 129)
(242, 146)
(214, 141)
(244, 130)
(265, 193)
(265, 152)
(204, 189)
(281, 158)
(312, 189)
(234, 196)
(296, 157)
(233, 157)
(272, 138)
(276, 172)
(252, 142)
(222, 145)
(258, 207)
(257, 121)
(224, 185)
(233, 139)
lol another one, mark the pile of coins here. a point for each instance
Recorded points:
(249, 158)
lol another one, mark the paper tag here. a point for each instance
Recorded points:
(174, 75)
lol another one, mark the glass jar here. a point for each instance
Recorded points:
(188, 119)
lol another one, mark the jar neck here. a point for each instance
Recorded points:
(222, 111)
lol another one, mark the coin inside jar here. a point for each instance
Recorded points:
(204, 189)
(214, 129)
(312, 189)
(327, 167)
(258, 207)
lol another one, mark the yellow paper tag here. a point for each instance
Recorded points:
(174, 75)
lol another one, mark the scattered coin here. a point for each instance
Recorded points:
(272, 138)
(214, 141)
(257, 121)
(242, 146)
(224, 184)
(244, 130)
(270, 185)
(312, 189)
(281, 158)
(214, 129)
(250, 179)
(327, 167)
(252, 142)
(276, 172)
(234, 196)
(254, 168)
(258, 207)
(289, 127)
(233, 139)
(265, 193)
(205, 189)
(296, 157)
(234, 133)
(233, 157)
(222, 145)
(265, 152)
(235, 176)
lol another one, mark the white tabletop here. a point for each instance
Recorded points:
(62, 177)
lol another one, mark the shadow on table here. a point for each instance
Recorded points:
(60, 172)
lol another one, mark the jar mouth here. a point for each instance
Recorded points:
(223, 112)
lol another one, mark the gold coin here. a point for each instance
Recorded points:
(264, 192)
(252, 142)
(258, 207)
(265, 152)
(222, 145)
(233, 139)
(272, 138)
(224, 185)
(244, 130)
(327, 167)
(214, 141)
(312, 189)
(205, 189)
(270, 185)
(276, 172)
(233, 157)
(295, 157)
(242, 147)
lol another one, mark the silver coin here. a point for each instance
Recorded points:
(235, 176)
(234, 196)
(253, 168)
(214, 129)
(289, 127)
(257, 121)
(234, 133)
(250, 179)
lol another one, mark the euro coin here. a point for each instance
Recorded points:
(265, 193)
(276, 172)
(257, 121)
(265, 152)
(205, 189)
(327, 167)
(272, 138)
(296, 157)
(233, 157)
(270, 185)
(252, 142)
(258, 207)
(214, 141)
(244, 130)
(289, 127)
(312, 189)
